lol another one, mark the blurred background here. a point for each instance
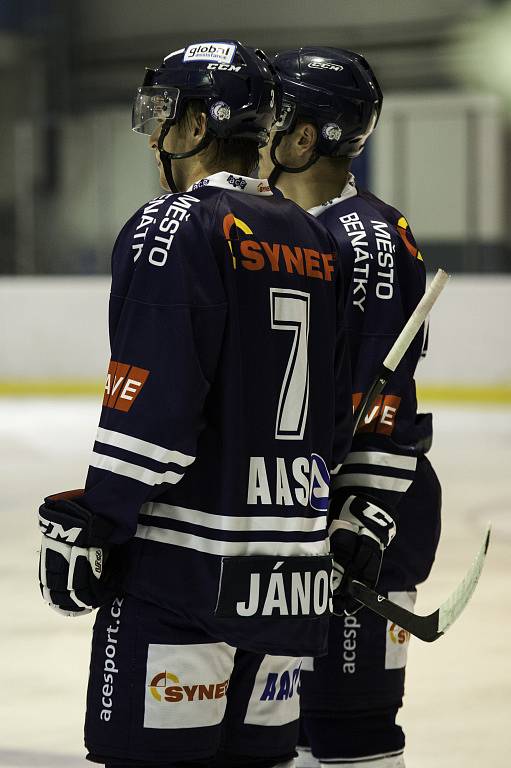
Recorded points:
(72, 172)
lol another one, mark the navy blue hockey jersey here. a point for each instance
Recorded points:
(384, 280)
(227, 402)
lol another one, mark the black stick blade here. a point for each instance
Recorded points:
(424, 627)
(428, 628)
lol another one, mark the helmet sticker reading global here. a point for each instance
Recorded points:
(220, 52)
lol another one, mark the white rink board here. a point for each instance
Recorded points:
(458, 696)
(57, 329)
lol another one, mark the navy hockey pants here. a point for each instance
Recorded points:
(164, 693)
(350, 701)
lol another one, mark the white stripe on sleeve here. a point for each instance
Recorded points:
(382, 459)
(142, 474)
(231, 548)
(296, 524)
(372, 481)
(143, 448)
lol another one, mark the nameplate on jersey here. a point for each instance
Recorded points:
(267, 586)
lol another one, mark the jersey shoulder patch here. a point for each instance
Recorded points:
(165, 253)
(156, 225)
(396, 219)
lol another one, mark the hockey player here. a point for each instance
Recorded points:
(201, 533)
(332, 102)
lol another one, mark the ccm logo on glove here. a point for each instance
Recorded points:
(57, 531)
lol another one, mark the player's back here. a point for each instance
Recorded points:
(234, 305)
(384, 279)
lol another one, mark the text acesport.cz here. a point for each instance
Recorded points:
(110, 669)
(349, 645)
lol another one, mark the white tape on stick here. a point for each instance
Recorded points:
(417, 318)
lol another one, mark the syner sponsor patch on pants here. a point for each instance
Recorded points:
(186, 685)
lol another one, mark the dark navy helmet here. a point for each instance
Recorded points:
(334, 89)
(235, 83)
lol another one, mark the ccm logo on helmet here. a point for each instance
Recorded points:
(225, 67)
(220, 52)
(325, 65)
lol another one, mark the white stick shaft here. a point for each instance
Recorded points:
(415, 321)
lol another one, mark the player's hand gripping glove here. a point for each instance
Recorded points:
(359, 534)
(72, 560)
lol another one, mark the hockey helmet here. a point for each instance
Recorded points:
(235, 83)
(336, 90)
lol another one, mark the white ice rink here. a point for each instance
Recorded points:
(458, 705)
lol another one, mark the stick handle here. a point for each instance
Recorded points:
(415, 320)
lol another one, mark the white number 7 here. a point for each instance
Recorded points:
(290, 311)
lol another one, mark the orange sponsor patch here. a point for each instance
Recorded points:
(278, 257)
(382, 415)
(123, 385)
(229, 222)
(397, 635)
(403, 231)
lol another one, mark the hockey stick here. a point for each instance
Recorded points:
(403, 341)
(428, 628)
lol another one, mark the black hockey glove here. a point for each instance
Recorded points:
(359, 534)
(72, 560)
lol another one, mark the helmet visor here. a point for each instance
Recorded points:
(152, 106)
(287, 113)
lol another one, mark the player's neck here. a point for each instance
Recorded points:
(314, 186)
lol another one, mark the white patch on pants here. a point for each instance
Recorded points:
(398, 639)
(186, 685)
(275, 698)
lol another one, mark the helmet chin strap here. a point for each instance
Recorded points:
(167, 157)
(279, 167)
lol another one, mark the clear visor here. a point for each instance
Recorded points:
(286, 116)
(152, 106)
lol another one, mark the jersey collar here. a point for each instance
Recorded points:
(235, 183)
(350, 190)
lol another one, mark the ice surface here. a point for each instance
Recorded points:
(458, 704)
